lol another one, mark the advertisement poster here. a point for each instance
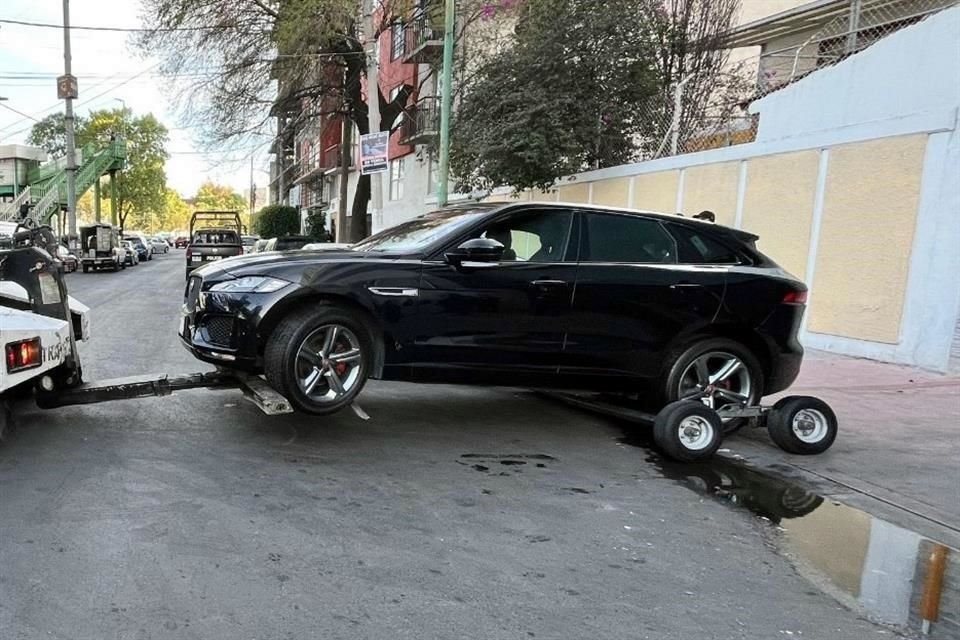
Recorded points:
(373, 152)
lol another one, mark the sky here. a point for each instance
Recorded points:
(108, 71)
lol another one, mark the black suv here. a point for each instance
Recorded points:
(535, 295)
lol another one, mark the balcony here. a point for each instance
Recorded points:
(422, 122)
(423, 41)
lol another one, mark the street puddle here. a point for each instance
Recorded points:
(896, 576)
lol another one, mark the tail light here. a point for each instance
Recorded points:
(25, 354)
(795, 297)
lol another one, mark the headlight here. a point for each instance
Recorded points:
(250, 284)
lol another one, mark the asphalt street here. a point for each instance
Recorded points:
(451, 513)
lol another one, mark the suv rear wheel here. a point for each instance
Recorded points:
(319, 358)
(717, 372)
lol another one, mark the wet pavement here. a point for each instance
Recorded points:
(452, 513)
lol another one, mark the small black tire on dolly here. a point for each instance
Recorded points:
(687, 431)
(802, 425)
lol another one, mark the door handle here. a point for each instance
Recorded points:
(548, 284)
(686, 285)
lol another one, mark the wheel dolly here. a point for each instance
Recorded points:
(39, 328)
(689, 430)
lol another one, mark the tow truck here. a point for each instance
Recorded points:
(40, 326)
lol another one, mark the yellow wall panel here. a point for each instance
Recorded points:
(778, 206)
(612, 193)
(577, 192)
(866, 238)
(713, 187)
(656, 191)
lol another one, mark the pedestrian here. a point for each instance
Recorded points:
(707, 215)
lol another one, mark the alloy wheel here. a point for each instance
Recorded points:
(718, 379)
(329, 363)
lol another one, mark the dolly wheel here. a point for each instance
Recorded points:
(802, 425)
(688, 431)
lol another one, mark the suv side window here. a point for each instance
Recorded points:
(697, 247)
(610, 237)
(532, 236)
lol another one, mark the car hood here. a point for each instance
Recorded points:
(279, 261)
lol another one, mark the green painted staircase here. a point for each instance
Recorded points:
(48, 182)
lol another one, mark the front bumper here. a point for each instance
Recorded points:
(223, 328)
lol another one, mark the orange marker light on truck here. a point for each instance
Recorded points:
(25, 354)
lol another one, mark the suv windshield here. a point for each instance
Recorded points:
(216, 237)
(421, 232)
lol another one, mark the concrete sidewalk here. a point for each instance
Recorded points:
(898, 452)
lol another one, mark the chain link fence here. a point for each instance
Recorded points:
(681, 121)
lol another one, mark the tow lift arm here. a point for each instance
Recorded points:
(253, 387)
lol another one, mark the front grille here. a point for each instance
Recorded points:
(219, 330)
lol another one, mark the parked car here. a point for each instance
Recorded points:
(484, 294)
(287, 243)
(143, 250)
(159, 245)
(132, 256)
(70, 261)
(249, 242)
(100, 248)
(324, 246)
(181, 242)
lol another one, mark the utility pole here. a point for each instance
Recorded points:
(253, 191)
(69, 92)
(373, 107)
(346, 151)
(446, 103)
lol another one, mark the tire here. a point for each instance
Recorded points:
(677, 373)
(306, 331)
(802, 425)
(687, 431)
(86, 268)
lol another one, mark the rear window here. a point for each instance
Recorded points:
(216, 237)
(697, 247)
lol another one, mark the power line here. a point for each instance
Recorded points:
(75, 27)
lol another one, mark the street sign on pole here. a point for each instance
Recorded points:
(374, 153)
(67, 87)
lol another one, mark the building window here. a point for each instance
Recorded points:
(399, 119)
(396, 179)
(398, 33)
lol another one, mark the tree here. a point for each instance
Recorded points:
(176, 214)
(50, 134)
(546, 106)
(278, 220)
(317, 225)
(217, 197)
(294, 60)
(141, 185)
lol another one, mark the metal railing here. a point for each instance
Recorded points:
(422, 120)
(421, 33)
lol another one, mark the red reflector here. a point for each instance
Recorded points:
(23, 355)
(795, 297)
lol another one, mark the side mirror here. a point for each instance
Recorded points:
(485, 250)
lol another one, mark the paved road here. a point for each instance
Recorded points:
(452, 513)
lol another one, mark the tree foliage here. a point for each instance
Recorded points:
(50, 134)
(584, 85)
(317, 225)
(217, 197)
(289, 60)
(176, 213)
(277, 220)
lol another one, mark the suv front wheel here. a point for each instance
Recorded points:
(319, 358)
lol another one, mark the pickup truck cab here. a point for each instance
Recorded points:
(211, 245)
(214, 235)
